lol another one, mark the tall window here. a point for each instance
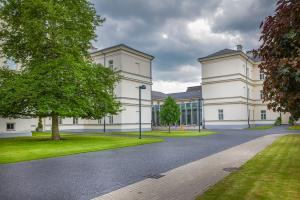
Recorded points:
(111, 64)
(99, 121)
(110, 119)
(10, 126)
(247, 71)
(75, 120)
(261, 94)
(261, 75)
(263, 114)
(221, 114)
(59, 120)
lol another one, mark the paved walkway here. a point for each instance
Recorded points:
(186, 182)
(89, 175)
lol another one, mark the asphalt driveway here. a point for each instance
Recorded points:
(88, 175)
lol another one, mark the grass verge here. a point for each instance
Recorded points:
(272, 174)
(40, 146)
(294, 128)
(172, 134)
(260, 128)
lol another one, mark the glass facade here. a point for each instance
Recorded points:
(189, 114)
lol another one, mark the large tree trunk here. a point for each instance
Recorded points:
(55, 130)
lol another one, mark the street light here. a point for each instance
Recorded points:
(141, 87)
(203, 114)
(199, 120)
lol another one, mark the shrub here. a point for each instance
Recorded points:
(291, 121)
(278, 121)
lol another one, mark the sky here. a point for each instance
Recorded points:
(177, 32)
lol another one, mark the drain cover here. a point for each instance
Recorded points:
(231, 169)
(155, 176)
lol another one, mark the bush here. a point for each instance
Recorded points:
(278, 121)
(291, 121)
(40, 125)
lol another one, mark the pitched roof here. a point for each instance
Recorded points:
(192, 92)
(229, 52)
(123, 46)
(158, 95)
(186, 95)
(194, 88)
(220, 53)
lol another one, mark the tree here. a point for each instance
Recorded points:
(50, 40)
(280, 53)
(170, 112)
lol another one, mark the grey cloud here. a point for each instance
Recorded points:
(140, 24)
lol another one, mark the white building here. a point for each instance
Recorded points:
(135, 69)
(232, 87)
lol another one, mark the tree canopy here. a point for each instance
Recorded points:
(50, 40)
(170, 112)
(280, 53)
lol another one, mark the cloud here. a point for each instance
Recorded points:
(177, 32)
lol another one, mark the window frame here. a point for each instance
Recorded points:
(13, 126)
(220, 114)
(261, 94)
(263, 114)
(111, 64)
(75, 120)
(261, 75)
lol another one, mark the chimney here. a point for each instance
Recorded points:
(239, 47)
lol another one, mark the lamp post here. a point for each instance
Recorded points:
(203, 114)
(142, 87)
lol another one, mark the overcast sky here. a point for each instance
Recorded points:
(177, 32)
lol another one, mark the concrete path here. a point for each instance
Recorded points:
(188, 181)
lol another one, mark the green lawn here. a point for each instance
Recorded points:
(40, 146)
(294, 128)
(260, 127)
(172, 134)
(272, 174)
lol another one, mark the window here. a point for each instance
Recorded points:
(99, 121)
(261, 75)
(247, 72)
(263, 115)
(10, 126)
(111, 119)
(221, 114)
(138, 67)
(261, 94)
(111, 64)
(59, 120)
(75, 120)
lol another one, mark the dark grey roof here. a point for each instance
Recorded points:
(193, 93)
(125, 46)
(220, 53)
(158, 95)
(194, 88)
(227, 52)
(186, 95)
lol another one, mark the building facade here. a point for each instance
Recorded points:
(232, 87)
(189, 103)
(135, 69)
